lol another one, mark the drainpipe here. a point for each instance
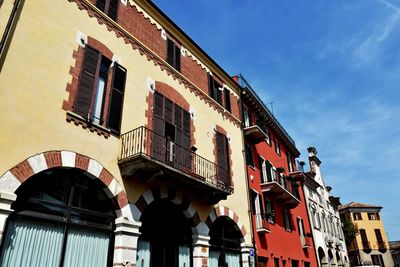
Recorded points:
(246, 175)
(9, 25)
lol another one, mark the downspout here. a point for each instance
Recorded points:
(9, 25)
(246, 175)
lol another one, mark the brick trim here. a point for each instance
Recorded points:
(173, 95)
(223, 211)
(171, 194)
(54, 159)
(156, 59)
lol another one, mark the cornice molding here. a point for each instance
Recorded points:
(120, 32)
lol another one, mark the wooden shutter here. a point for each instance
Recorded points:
(116, 98)
(113, 8)
(177, 58)
(222, 158)
(260, 164)
(87, 79)
(268, 166)
(168, 104)
(227, 96)
(210, 86)
(249, 155)
(158, 121)
(170, 52)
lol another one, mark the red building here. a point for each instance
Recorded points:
(281, 228)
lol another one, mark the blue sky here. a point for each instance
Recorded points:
(332, 69)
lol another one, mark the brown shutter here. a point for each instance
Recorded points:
(210, 86)
(227, 100)
(116, 99)
(222, 158)
(170, 52)
(87, 79)
(168, 110)
(112, 10)
(158, 140)
(101, 4)
(177, 58)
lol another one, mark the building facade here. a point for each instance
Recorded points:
(120, 141)
(324, 216)
(370, 246)
(282, 234)
(395, 250)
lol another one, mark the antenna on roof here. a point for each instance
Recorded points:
(272, 106)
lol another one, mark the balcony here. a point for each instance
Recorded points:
(297, 175)
(366, 246)
(306, 241)
(151, 157)
(382, 247)
(262, 225)
(255, 134)
(278, 189)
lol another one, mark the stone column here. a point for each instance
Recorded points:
(201, 246)
(125, 245)
(245, 252)
(6, 199)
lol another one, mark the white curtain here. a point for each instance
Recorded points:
(213, 258)
(233, 259)
(184, 257)
(143, 254)
(32, 244)
(86, 248)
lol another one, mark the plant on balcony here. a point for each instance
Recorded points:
(280, 169)
(350, 230)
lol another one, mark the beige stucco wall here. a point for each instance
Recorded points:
(32, 90)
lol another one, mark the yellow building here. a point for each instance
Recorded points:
(370, 246)
(120, 141)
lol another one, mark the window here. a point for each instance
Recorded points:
(364, 238)
(268, 138)
(377, 260)
(378, 235)
(357, 216)
(372, 216)
(173, 55)
(295, 263)
(277, 147)
(90, 100)
(300, 226)
(263, 169)
(246, 117)
(172, 132)
(269, 210)
(287, 220)
(109, 7)
(215, 89)
(249, 156)
(276, 262)
(289, 162)
(227, 100)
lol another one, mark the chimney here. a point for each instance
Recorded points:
(314, 161)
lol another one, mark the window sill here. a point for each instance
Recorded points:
(94, 128)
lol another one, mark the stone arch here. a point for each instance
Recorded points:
(227, 212)
(163, 193)
(12, 179)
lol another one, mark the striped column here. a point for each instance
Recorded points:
(201, 246)
(245, 251)
(6, 199)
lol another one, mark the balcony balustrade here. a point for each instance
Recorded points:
(279, 188)
(150, 156)
(255, 133)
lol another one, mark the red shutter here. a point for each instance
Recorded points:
(87, 79)
(116, 99)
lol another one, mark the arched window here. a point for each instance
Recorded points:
(224, 244)
(62, 217)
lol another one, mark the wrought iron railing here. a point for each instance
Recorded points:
(144, 142)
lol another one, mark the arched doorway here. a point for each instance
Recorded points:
(166, 237)
(62, 217)
(322, 257)
(225, 240)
